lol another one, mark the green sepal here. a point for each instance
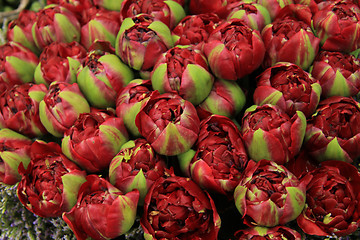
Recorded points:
(158, 77)
(74, 66)
(258, 148)
(184, 161)
(13, 160)
(71, 33)
(163, 31)
(177, 10)
(20, 37)
(112, 5)
(77, 101)
(297, 197)
(115, 138)
(71, 185)
(125, 25)
(65, 148)
(95, 27)
(139, 183)
(38, 96)
(38, 76)
(340, 86)
(316, 87)
(121, 69)
(203, 83)
(87, 83)
(333, 152)
(24, 69)
(46, 122)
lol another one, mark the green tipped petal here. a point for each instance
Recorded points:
(163, 32)
(38, 77)
(177, 10)
(340, 86)
(258, 148)
(296, 197)
(71, 185)
(113, 136)
(70, 31)
(46, 121)
(158, 77)
(333, 152)
(24, 69)
(139, 182)
(203, 82)
(65, 148)
(184, 161)
(74, 66)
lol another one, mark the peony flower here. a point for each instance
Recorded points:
(50, 184)
(14, 149)
(219, 156)
(169, 123)
(59, 62)
(168, 12)
(226, 98)
(234, 50)
(17, 63)
(55, 23)
(177, 208)
(289, 40)
(195, 29)
(269, 195)
(183, 70)
(332, 200)
(289, 87)
(102, 211)
(19, 109)
(130, 100)
(269, 133)
(94, 139)
(338, 73)
(136, 166)
(61, 107)
(333, 132)
(141, 40)
(338, 26)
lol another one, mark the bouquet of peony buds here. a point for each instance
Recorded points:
(180, 119)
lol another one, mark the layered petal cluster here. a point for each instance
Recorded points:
(338, 73)
(289, 87)
(269, 195)
(50, 184)
(19, 109)
(55, 23)
(332, 200)
(141, 40)
(177, 208)
(130, 101)
(333, 132)
(102, 211)
(17, 63)
(102, 76)
(14, 149)
(289, 40)
(168, 12)
(234, 50)
(269, 133)
(219, 156)
(61, 107)
(169, 123)
(94, 139)
(79, 8)
(338, 26)
(136, 166)
(195, 29)
(183, 70)
(59, 62)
